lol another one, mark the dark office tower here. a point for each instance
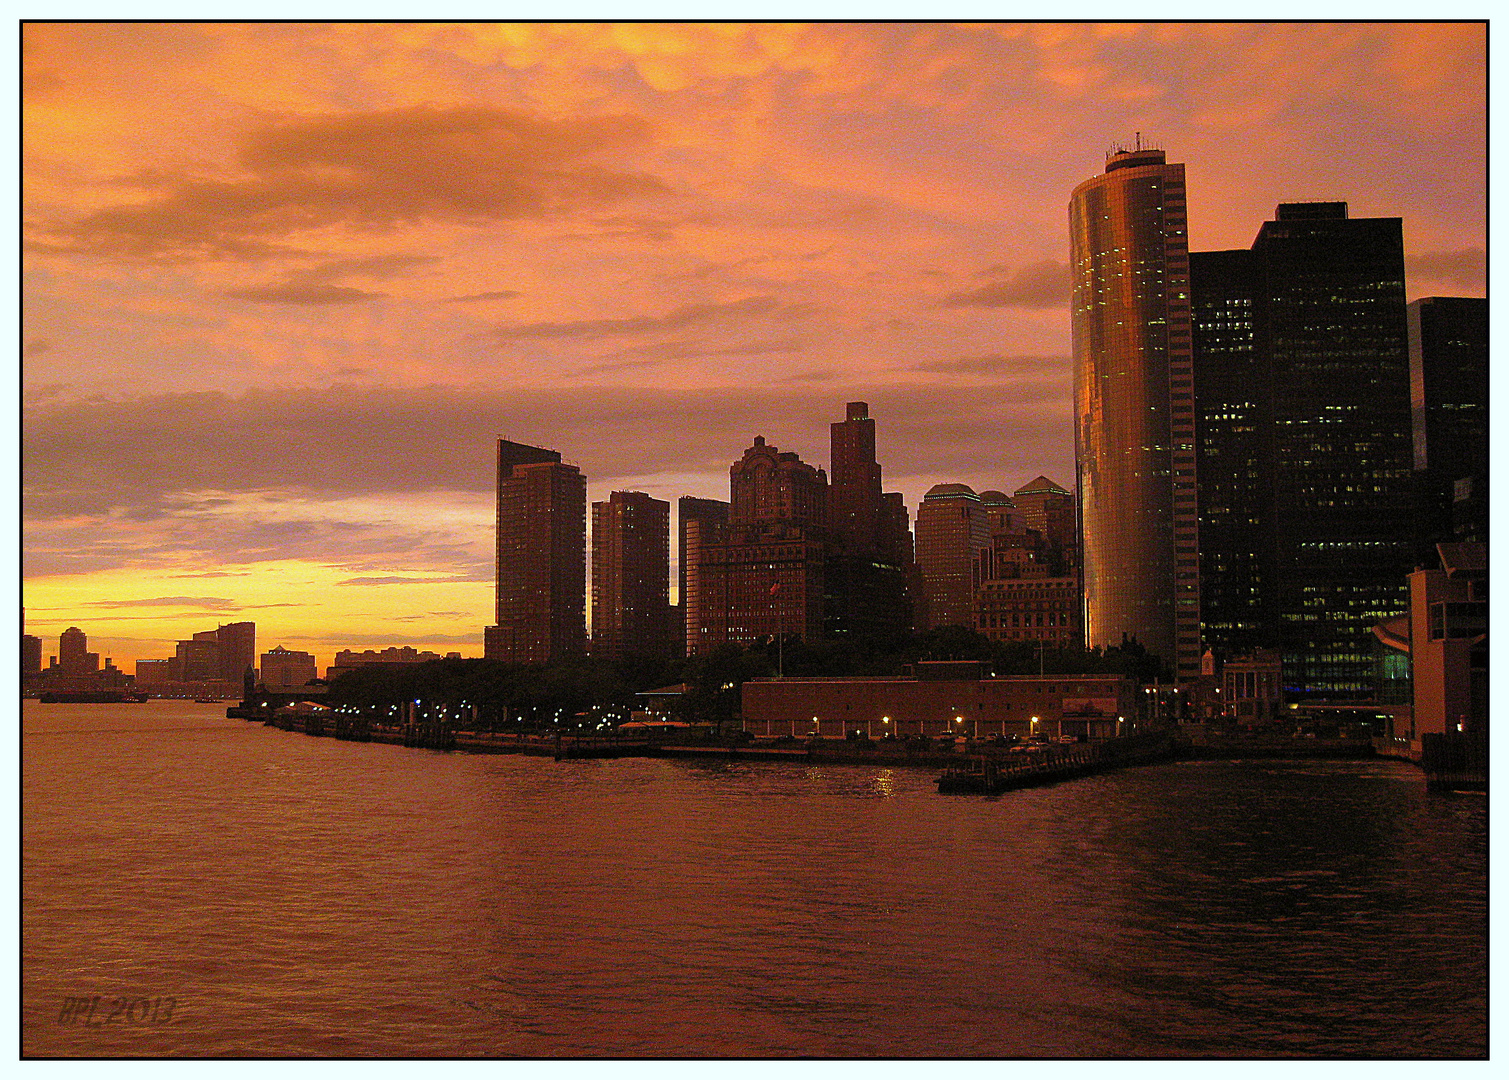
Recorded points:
(1134, 408)
(952, 530)
(541, 560)
(1234, 435)
(865, 579)
(896, 530)
(700, 522)
(1302, 372)
(238, 650)
(1448, 382)
(854, 497)
(631, 553)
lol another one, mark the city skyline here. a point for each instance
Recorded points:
(265, 370)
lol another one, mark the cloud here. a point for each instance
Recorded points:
(367, 170)
(208, 602)
(36, 347)
(291, 293)
(997, 364)
(317, 284)
(679, 318)
(652, 354)
(475, 298)
(401, 580)
(1467, 268)
(1042, 284)
(172, 454)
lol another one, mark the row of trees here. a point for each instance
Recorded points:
(588, 691)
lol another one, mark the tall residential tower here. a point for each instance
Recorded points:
(541, 558)
(631, 548)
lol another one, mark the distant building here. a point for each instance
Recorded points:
(1448, 379)
(952, 530)
(1031, 609)
(699, 522)
(286, 669)
(74, 657)
(1048, 509)
(31, 655)
(763, 575)
(1134, 408)
(348, 660)
(238, 650)
(198, 659)
(1306, 500)
(541, 558)
(631, 548)
(153, 672)
(1093, 706)
(865, 580)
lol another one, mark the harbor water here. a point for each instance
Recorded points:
(193, 885)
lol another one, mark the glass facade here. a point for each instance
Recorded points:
(1305, 444)
(1134, 408)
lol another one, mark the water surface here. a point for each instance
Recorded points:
(294, 895)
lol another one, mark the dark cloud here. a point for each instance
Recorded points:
(133, 483)
(290, 293)
(319, 284)
(684, 316)
(164, 454)
(34, 395)
(1041, 285)
(998, 364)
(474, 298)
(207, 602)
(657, 352)
(36, 347)
(369, 170)
(1468, 269)
(110, 540)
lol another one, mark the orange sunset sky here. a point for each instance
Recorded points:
(285, 284)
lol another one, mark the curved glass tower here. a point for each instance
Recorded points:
(1134, 408)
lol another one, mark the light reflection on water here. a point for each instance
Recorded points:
(308, 896)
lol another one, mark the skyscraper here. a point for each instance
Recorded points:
(952, 529)
(1134, 408)
(74, 657)
(699, 522)
(631, 549)
(854, 497)
(1448, 379)
(238, 649)
(865, 579)
(1302, 377)
(765, 575)
(541, 558)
